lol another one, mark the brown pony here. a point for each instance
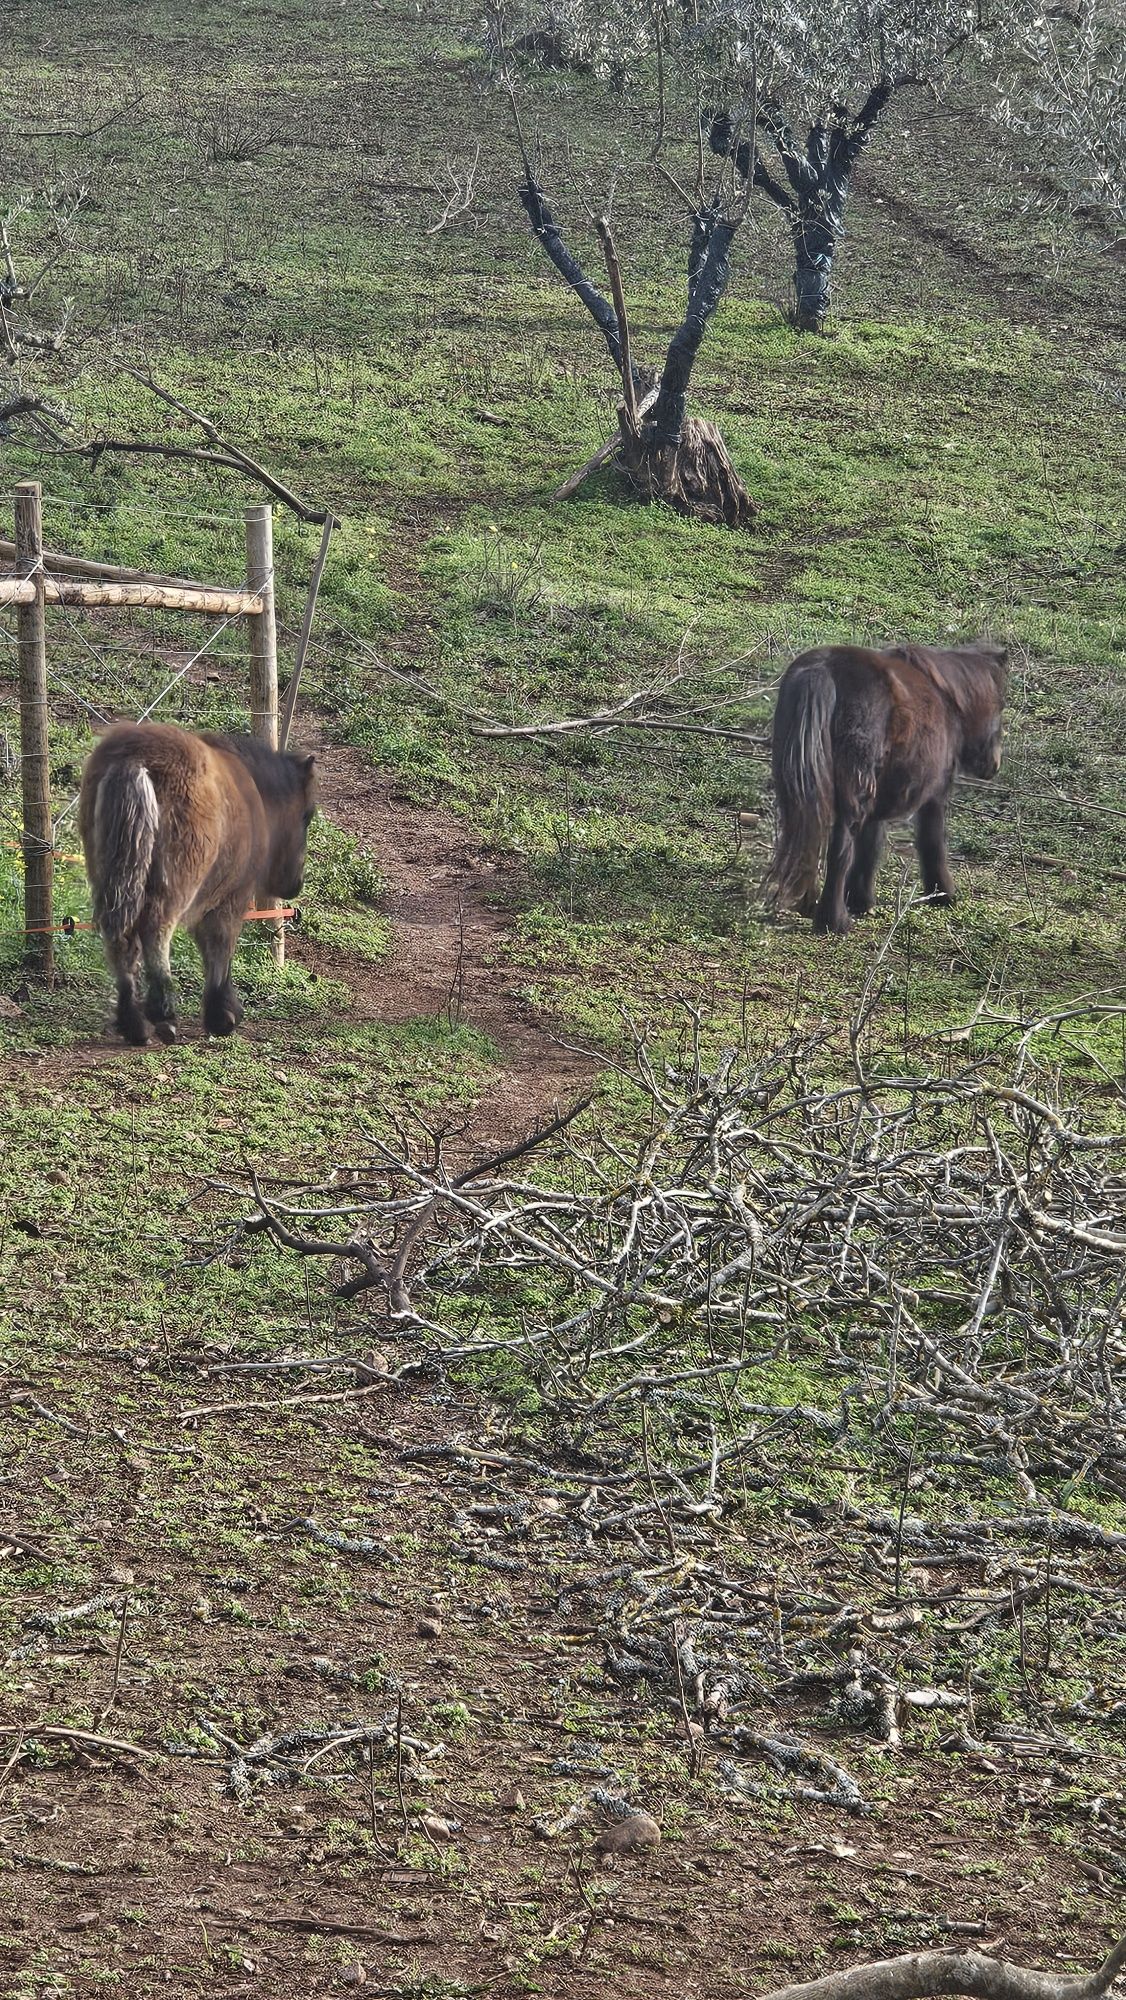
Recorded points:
(192, 830)
(861, 738)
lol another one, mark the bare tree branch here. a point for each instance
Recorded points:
(919, 1975)
(223, 453)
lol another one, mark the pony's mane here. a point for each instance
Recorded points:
(278, 774)
(957, 671)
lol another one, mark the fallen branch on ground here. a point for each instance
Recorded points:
(961, 1226)
(645, 709)
(82, 1739)
(939, 1252)
(918, 1975)
(221, 451)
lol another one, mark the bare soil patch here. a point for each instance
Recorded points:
(160, 1873)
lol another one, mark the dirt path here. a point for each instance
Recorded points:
(446, 904)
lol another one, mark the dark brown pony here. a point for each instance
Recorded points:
(861, 738)
(191, 830)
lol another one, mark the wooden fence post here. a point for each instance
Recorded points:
(38, 836)
(264, 652)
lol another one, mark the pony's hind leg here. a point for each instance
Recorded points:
(832, 914)
(160, 1001)
(124, 955)
(860, 891)
(930, 840)
(216, 934)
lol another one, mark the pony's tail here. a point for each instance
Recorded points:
(802, 761)
(126, 823)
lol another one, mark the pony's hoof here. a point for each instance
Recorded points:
(221, 1024)
(135, 1032)
(166, 1031)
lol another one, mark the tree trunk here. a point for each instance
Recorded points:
(815, 239)
(695, 475)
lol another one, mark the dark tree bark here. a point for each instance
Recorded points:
(819, 173)
(678, 458)
(665, 453)
(695, 475)
(599, 308)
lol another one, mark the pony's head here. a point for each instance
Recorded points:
(293, 806)
(286, 782)
(981, 740)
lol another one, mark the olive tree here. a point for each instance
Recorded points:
(1064, 88)
(790, 91)
(826, 72)
(666, 452)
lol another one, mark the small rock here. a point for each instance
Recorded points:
(354, 1975)
(122, 1576)
(512, 1800)
(85, 1920)
(438, 1829)
(429, 1628)
(637, 1833)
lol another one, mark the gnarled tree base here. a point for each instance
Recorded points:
(695, 476)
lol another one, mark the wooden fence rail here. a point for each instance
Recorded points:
(217, 602)
(59, 565)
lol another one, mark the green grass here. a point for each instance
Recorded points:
(927, 469)
(920, 474)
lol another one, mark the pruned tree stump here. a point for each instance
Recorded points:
(695, 475)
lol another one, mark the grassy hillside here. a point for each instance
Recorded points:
(191, 1412)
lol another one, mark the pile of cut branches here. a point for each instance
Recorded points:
(947, 1249)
